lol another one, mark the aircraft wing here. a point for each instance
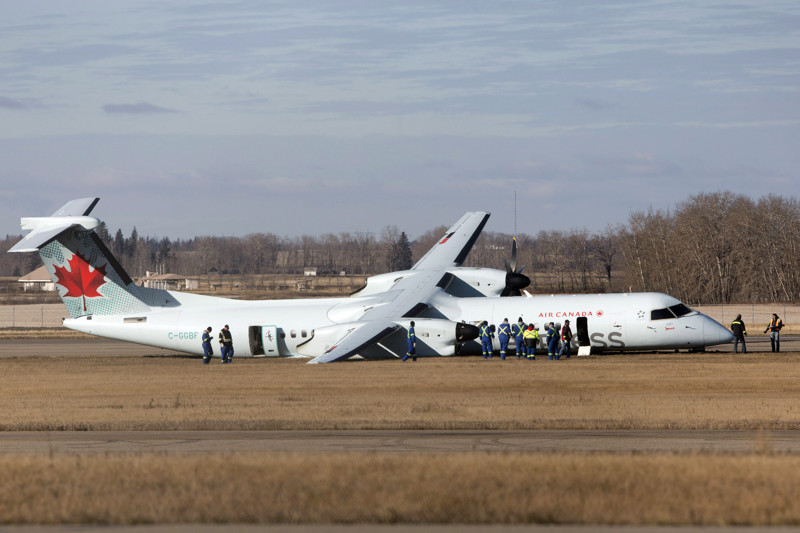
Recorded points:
(410, 295)
(452, 249)
(361, 336)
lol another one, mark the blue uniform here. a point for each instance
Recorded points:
(486, 341)
(412, 345)
(207, 350)
(552, 343)
(503, 335)
(518, 330)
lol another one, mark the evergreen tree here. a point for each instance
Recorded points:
(119, 243)
(102, 232)
(401, 253)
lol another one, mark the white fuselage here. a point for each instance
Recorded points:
(282, 327)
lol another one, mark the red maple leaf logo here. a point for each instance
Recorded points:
(80, 280)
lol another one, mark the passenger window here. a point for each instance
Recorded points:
(293, 333)
(680, 310)
(303, 334)
(661, 314)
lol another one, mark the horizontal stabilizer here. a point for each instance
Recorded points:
(73, 214)
(356, 340)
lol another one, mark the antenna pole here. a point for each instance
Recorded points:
(515, 213)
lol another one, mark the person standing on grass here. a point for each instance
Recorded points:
(207, 350)
(503, 335)
(531, 340)
(518, 330)
(486, 339)
(412, 344)
(226, 344)
(739, 331)
(566, 338)
(774, 327)
(552, 341)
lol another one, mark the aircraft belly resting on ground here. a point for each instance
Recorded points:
(445, 300)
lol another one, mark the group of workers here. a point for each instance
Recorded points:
(526, 338)
(740, 331)
(225, 345)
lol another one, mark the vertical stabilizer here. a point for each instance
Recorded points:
(89, 279)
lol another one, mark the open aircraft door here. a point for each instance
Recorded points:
(264, 341)
(582, 332)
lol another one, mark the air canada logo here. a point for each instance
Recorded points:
(81, 280)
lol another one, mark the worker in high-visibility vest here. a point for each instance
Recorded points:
(226, 344)
(774, 327)
(485, 334)
(503, 335)
(739, 331)
(531, 337)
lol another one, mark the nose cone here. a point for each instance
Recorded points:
(715, 333)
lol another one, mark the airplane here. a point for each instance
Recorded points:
(445, 300)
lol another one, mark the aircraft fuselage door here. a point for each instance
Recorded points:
(269, 340)
(582, 331)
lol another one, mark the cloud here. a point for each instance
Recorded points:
(12, 103)
(141, 108)
(594, 105)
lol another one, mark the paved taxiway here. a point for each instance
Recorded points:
(200, 442)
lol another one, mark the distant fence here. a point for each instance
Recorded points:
(32, 315)
(755, 316)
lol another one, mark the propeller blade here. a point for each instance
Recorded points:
(514, 255)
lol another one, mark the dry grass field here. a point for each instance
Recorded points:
(384, 488)
(645, 391)
(638, 391)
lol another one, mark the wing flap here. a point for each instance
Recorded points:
(362, 336)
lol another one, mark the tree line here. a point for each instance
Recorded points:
(711, 248)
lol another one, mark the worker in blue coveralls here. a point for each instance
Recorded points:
(486, 339)
(226, 344)
(518, 330)
(503, 335)
(207, 350)
(552, 342)
(411, 351)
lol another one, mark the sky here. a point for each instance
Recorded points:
(234, 117)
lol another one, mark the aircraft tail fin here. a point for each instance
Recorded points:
(87, 276)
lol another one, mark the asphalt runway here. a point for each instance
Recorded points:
(415, 442)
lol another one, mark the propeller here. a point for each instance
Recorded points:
(515, 280)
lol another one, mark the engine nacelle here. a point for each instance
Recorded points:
(469, 282)
(382, 282)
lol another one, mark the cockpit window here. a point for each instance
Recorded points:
(680, 310)
(661, 314)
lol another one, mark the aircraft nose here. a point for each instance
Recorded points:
(716, 333)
